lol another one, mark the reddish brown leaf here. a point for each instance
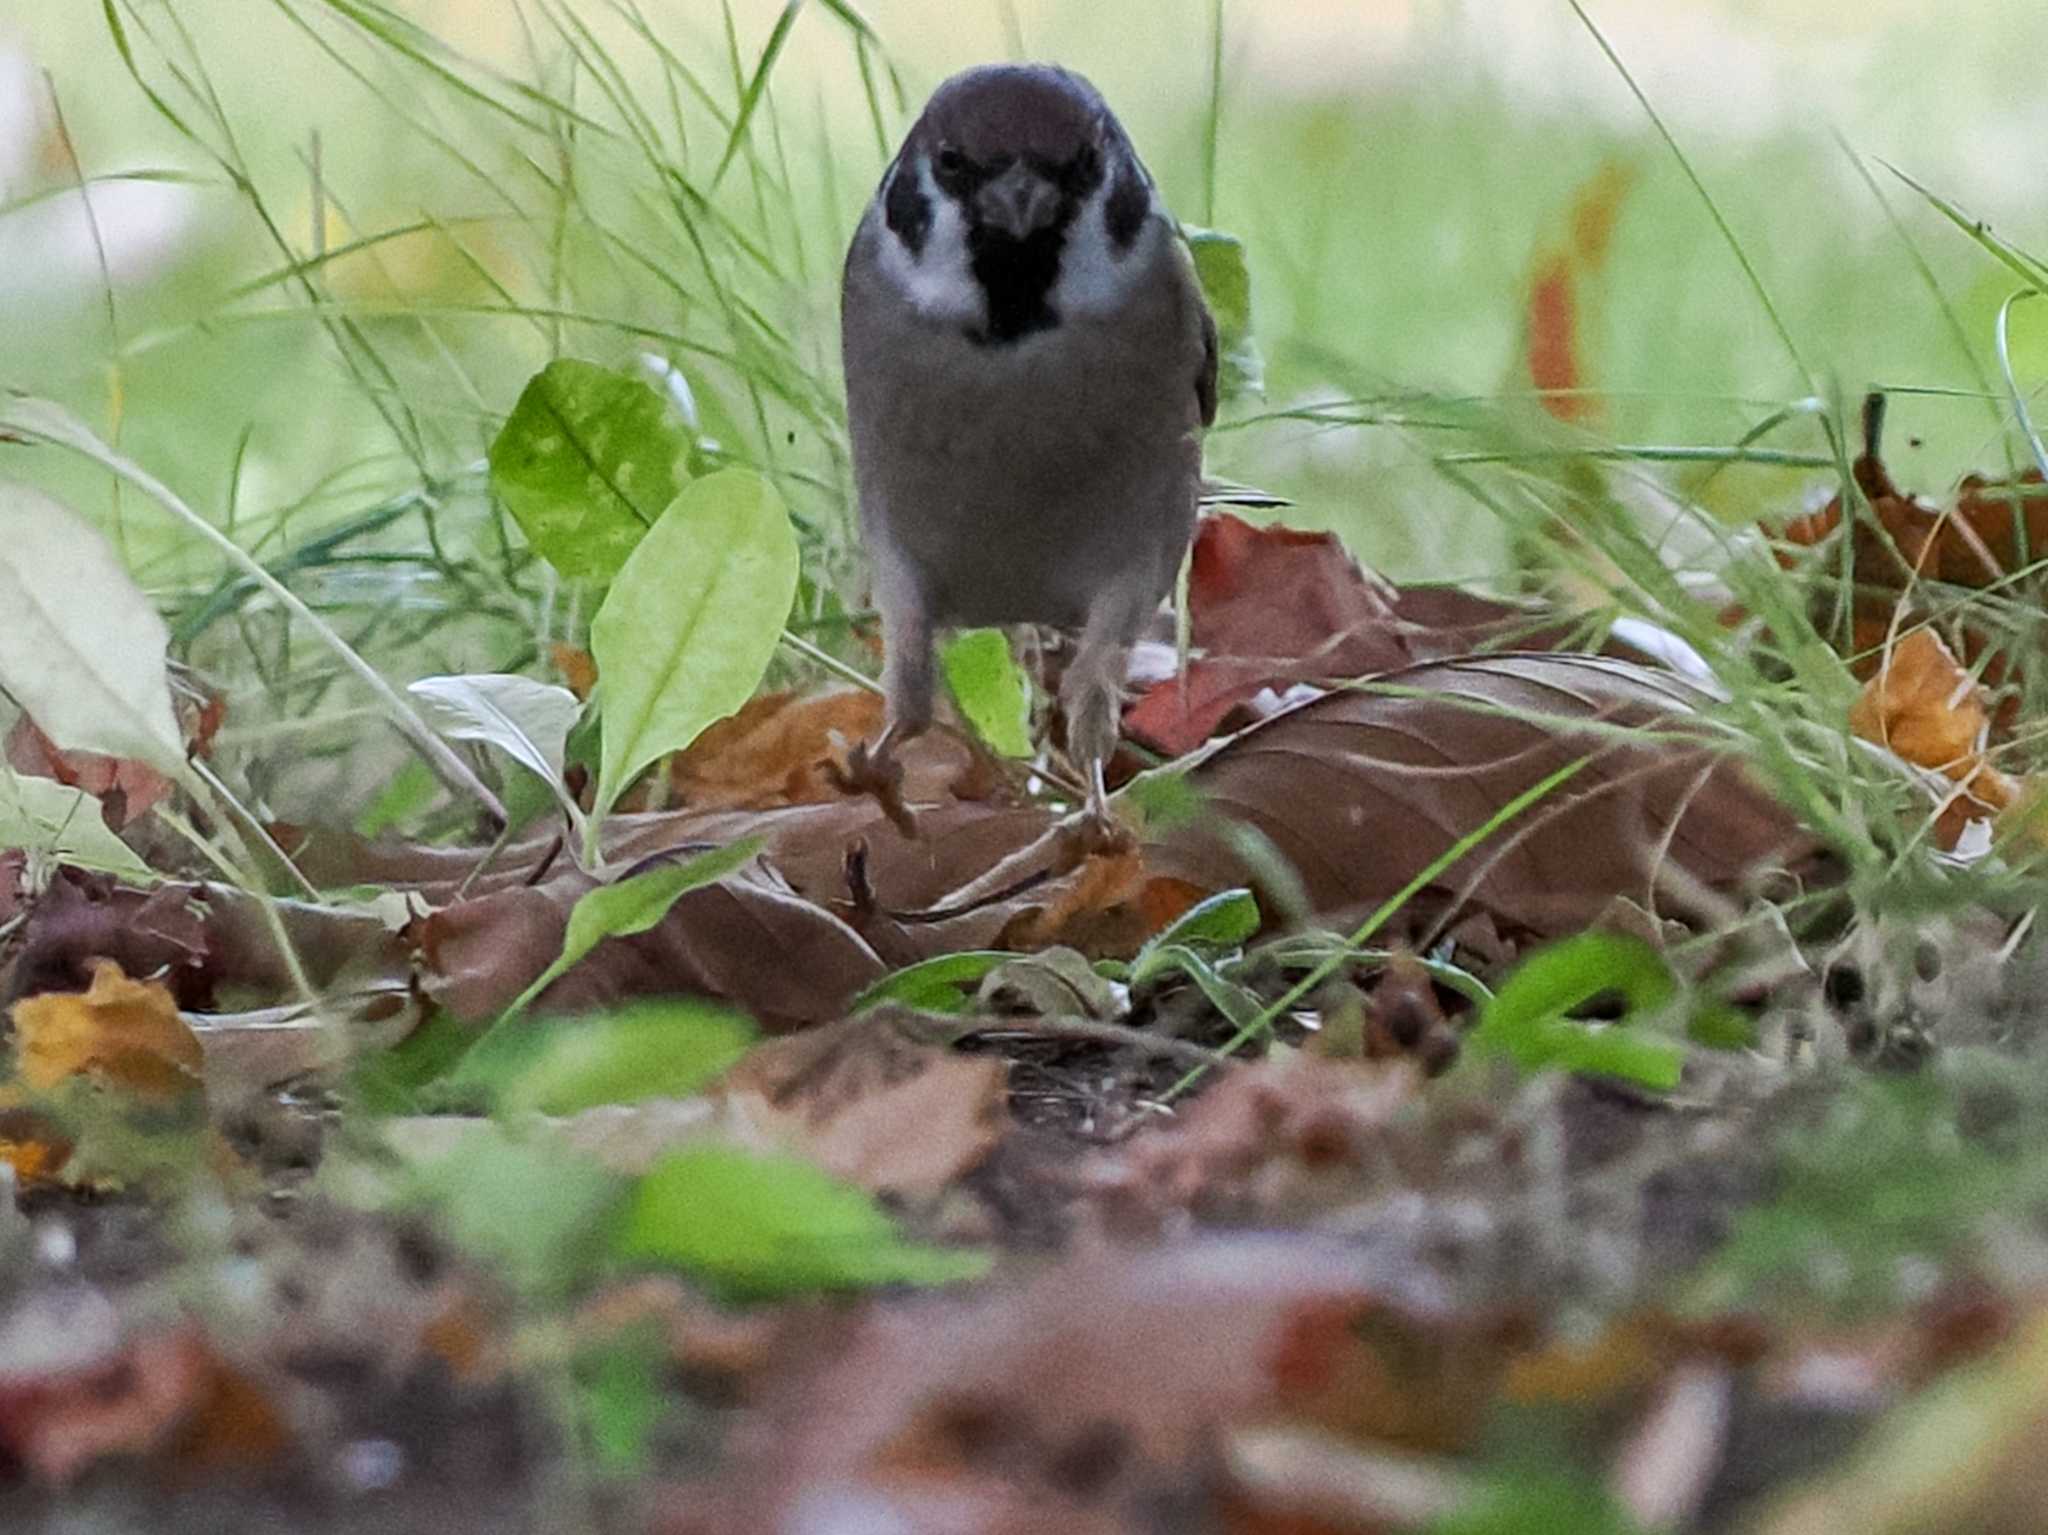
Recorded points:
(1360, 791)
(127, 790)
(1106, 1377)
(749, 940)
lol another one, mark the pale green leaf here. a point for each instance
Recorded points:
(526, 719)
(990, 688)
(632, 905)
(44, 816)
(82, 650)
(666, 1047)
(1227, 285)
(585, 463)
(691, 622)
(756, 1226)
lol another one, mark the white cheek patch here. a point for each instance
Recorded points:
(939, 280)
(1095, 277)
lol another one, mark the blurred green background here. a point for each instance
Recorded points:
(344, 233)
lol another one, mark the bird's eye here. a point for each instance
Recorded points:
(951, 161)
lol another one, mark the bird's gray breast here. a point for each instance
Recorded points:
(1015, 482)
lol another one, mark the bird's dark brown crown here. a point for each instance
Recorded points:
(1003, 111)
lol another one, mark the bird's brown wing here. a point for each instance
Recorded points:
(1205, 374)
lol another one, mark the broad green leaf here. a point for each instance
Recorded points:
(82, 649)
(1528, 1019)
(44, 816)
(690, 623)
(534, 1211)
(630, 905)
(760, 1226)
(585, 463)
(400, 1080)
(990, 688)
(526, 719)
(662, 1048)
(945, 983)
(1227, 285)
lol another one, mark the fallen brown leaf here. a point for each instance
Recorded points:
(1105, 1378)
(1362, 790)
(868, 1104)
(749, 940)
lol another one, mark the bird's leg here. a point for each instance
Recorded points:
(907, 686)
(1091, 694)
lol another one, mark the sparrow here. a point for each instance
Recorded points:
(1029, 365)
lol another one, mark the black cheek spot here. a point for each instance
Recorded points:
(907, 210)
(1130, 202)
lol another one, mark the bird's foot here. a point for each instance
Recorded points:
(873, 771)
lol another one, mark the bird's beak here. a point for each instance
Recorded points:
(1019, 202)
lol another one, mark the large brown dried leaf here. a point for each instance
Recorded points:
(1362, 790)
(1273, 606)
(749, 940)
(1109, 1377)
(775, 751)
(868, 1105)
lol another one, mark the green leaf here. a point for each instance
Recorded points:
(45, 816)
(691, 622)
(394, 1081)
(1223, 921)
(585, 463)
(1227, 285)
(764, 1226)
(621, 1402)
(945, 983)
(533, 1211)
(407, 793)
(82, 650)
(990, 688)
(1528, 1019)
(664, 1048)
(1163, 798)
(528, 720)
(630, 905)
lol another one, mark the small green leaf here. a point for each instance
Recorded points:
(407, 793)
(621, 1401)
(530, 1209)
(990, 688)
(44, 816)
(691, 621)
(395, 1081)
(763, 1226)
(945, 983)
(585, 463)
(631, 905)
(1163, 798)
(1528, 1019)
(1223, 921)
(1227, 285)
(663, 1048)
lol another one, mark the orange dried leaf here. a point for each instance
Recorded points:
(1924, 706)
(124, 1032)
(578, 670)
